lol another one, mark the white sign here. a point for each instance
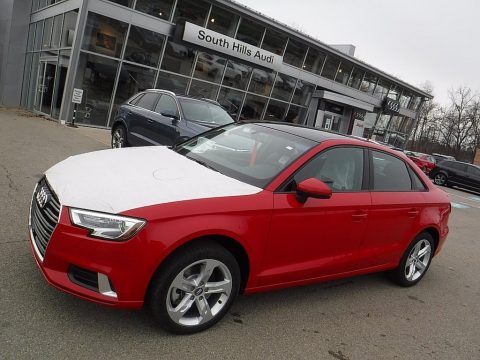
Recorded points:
(215, 41)
(77, 96)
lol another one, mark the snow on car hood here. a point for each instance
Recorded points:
(118, 180)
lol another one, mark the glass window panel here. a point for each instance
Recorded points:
(167, 105)
(395, 123)
(210, 67)
(261, 82)
(239, 77)
(31, 37)
(42, 4)
(344, 72)
(69, 26)
(295, 53)
(415, 103)
(381, 89)
(158, 8)
(63, 62)
(250, 32)
(194, 11)
(148, 100)
(356, 78)
(390, 173)
(171, 82)
(296, 115)
(284, 86)
(178, 58)
(274, 42)
(330, 68)
(368, 83)
(314, 61)
(144, 46)
(26, 79)
(405, 99)
(127, 3)
(231, 101)
(222, 21)
(276, 111)
(394, 93)
(383, 122)
(96, 76)
(132, 79)
(35, 5)
(104, 35)
(303, 93)
(57, 31)
(38, 36)
(32, 88)
(253, 107)
(203, 89)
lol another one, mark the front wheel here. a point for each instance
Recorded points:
(119, 137)
(194, 289)
(415, 261)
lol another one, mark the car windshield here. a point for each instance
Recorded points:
(252, 153)
(204, 112)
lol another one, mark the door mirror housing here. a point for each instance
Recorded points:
(170, 115)
(312, 188)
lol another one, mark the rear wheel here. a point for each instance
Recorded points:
(441, 179)
(415, 261)
(119, 137)
(194, 289)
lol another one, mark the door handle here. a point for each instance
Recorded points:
(359, 216)
(413, 212)
(150, 121)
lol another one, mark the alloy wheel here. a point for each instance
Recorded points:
(440, 179)
(199, 292)
(418, 260)
(118, 138)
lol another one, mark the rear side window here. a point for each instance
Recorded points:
(475, 171)
(340, 168)
(390, 173)
(148, 101)
(455, 165)
(136, 99)
(166, 105)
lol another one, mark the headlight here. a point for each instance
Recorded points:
(106, 226)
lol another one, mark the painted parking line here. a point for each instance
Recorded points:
(460, 205)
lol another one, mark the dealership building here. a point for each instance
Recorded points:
(254, 66)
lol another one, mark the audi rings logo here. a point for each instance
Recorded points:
(43, 197)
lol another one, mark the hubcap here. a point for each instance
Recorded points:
(118, 140)
(440, 179)
(418, 260)
(199, 292)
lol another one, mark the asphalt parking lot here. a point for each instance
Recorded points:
(365, 317)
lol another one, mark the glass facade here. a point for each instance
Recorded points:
(118, 59)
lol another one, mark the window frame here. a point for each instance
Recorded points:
(282, 188)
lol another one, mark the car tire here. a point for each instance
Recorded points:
(441, 179)
(119, 137)
(199, 278)
(415, 261)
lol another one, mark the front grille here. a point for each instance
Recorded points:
(44, 214)
(83, 277)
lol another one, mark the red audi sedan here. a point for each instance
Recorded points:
(245, 208)
(423, 161)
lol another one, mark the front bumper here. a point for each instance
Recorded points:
(124, 269)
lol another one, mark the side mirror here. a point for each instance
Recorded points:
(312, 188)
(170, 115)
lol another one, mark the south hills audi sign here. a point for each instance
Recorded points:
(215, 41)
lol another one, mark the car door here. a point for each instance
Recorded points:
(140, 116)
(397, 204)
(320, 237)
(457, 173)
(163, 126)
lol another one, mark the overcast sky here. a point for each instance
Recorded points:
(414, 40)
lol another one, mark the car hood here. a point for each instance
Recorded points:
(118, 180)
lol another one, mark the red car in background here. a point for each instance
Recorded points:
(423, 161)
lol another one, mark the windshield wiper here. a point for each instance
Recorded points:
(203, 163)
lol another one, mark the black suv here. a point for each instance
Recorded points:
(449, 173)
(159, 117)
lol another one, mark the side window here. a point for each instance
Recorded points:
(340, 168)
(474, 171)
(148, 101)
(390, 173)
(167, 105)
(456, 166)
(136, 99)
(419, 185)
